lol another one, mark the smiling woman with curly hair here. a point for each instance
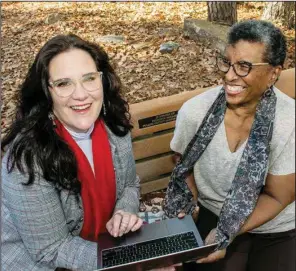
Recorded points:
(68, 173)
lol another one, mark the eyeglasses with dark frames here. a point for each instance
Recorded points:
(66, 86)
(241, 68)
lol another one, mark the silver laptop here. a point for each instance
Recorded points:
(155, 245)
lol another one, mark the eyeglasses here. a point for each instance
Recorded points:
(65, 87)
(241, 68)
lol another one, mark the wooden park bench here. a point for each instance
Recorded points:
(154, 123)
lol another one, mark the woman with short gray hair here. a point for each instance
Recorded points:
(238, 141)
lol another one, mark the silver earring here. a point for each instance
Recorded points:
(104, 110)
(51, 116)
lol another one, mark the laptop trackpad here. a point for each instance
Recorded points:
(147, 232)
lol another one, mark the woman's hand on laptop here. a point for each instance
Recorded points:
(169, 268)
(216, 255)
(123, 222)
(213, 257)
(194, 214)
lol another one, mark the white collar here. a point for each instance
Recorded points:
(82, 135)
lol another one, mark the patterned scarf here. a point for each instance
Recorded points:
(249, 178)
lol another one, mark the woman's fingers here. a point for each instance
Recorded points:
(213, 257)
(195, 213)
(124, 223)
(138, 224)
(181, 215)
(169, 268)
(134, 224)
(117, 220)
(132, 221)
(210, 239)
(109, 225)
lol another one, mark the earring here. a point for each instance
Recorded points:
(104, 110)
(51, 116)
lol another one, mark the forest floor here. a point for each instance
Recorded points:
(144, 26)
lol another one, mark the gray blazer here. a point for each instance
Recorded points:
(41, 226)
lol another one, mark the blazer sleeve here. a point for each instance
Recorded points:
(37, 214)
(128, 199)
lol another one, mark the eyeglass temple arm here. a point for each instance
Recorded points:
(259, 64)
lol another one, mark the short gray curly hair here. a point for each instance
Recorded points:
(263, 32)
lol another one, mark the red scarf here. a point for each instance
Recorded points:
(98, 191)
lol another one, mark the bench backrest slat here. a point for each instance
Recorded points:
(154, 115)
(155, 185)
(154, 145)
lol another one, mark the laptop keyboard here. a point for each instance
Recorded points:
(148, 249)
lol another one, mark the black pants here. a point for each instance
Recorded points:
(249, 252)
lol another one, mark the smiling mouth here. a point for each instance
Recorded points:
(80, 108)
(234, 90)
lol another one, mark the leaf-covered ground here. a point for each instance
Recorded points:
(144, 71)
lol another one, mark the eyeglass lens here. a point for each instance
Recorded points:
(90, 82)
(241, 69)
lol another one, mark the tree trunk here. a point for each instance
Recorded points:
(283, 12)
(222, 12)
